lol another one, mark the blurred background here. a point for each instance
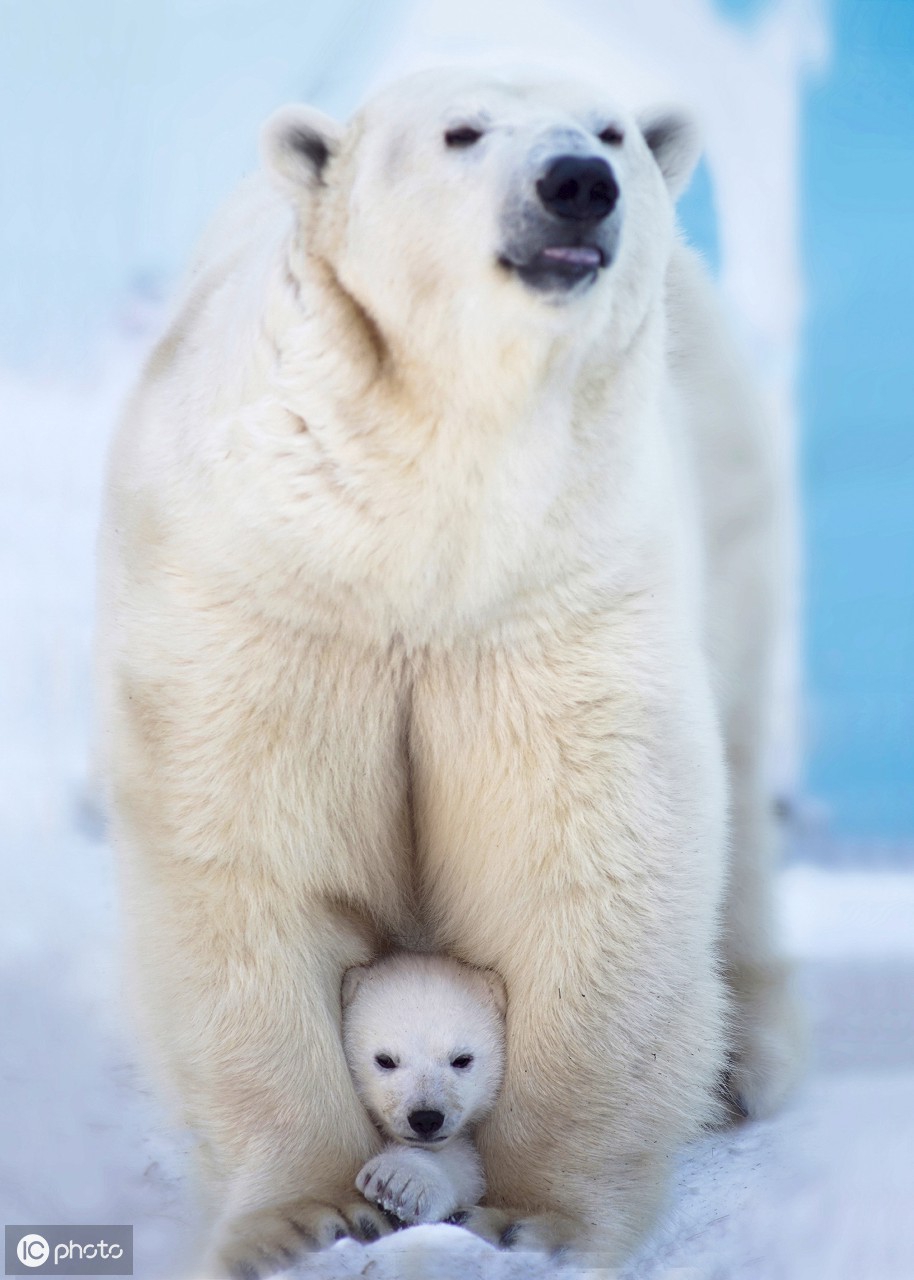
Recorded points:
(123, 125)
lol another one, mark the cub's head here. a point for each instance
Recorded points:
(424, 1037)
(486, 200)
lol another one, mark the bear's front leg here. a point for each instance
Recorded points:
(254, 1008)
(769, 1037)
(260, 814)
(571, 836)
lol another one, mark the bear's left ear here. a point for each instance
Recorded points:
(673, 139)
(297, 143)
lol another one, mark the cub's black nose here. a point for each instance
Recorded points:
(579, 188)
(425, 1123)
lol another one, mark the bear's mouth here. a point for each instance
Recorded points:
(558, 266)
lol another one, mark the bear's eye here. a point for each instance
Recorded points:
(463, 136)
(612, 135)
(386, 1061)
(465, 1060)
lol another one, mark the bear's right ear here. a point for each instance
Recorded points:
(674, 142)
(296, 143)
(352, 980)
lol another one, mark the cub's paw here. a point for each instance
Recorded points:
(408, 1185)
(769, 1041)
(266, 1241)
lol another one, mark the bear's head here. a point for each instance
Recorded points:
(456, 203)
(424, 1037)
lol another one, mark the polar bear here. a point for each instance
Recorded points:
(424, 1037)
(438, 585)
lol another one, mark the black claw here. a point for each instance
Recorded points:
(368, 1230)
(340, 1233)
(508, 1237)
(733, 1097)
(302, 1232)
(459, 1219)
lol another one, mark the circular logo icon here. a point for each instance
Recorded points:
(32, 1251)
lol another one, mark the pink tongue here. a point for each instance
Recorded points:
(577, 255)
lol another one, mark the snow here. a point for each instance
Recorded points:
(822, 1190)
(856, 914)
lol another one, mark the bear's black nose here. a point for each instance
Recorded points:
(425, 1123)
(580, 188)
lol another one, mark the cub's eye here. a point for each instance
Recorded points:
(464, 136)
(465, 1060)
(612, 135)
(384, 1060)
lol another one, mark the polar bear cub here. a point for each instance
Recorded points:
(424, 1037)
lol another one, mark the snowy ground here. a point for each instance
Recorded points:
(822, 1192)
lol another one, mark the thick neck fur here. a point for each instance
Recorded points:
(431, 494)
(452, 376)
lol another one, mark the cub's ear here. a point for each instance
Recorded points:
(352, 980)
(495, 988)
(296, 143)
(675, 143)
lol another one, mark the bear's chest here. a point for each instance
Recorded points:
(456, 529)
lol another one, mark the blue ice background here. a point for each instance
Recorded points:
(124, 124)
(856, 397)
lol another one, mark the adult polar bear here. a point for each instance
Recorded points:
(436, 594)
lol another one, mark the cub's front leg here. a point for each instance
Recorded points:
(570, 831)
(423, 1186)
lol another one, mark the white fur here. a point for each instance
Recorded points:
(423, 1013)
(436, 612)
